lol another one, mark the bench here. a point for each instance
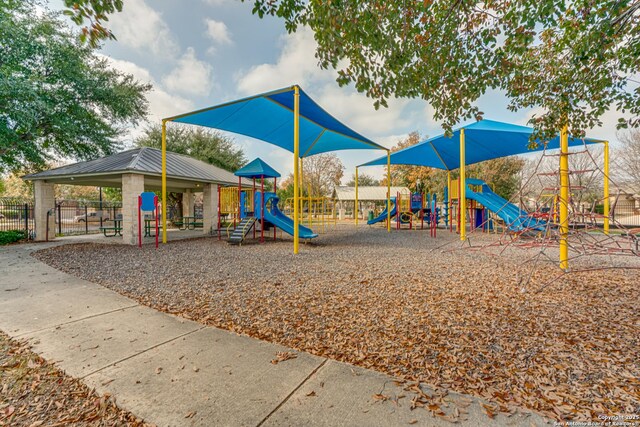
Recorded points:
(189, 223)
(116, 230)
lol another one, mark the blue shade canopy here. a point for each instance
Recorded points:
(257, 169)
(269, 117)
(484, 140)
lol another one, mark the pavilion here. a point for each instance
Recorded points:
(134, 171)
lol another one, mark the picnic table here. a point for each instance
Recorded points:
(149, 226)
(188, 223)
(116, 230)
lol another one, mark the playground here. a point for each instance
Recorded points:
(405, 304)
(530, 307)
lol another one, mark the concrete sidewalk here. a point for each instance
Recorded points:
(174, 372)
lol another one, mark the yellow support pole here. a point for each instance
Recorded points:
(164, 181)
(606, 187)
(389, 191)
(564, 198)
(296, 156)
(355, 205)
(450, 210)
(463, 190)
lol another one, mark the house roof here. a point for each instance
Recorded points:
(144, 161)
(257, 169)
(344, 193)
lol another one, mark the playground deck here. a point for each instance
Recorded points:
(407, 305)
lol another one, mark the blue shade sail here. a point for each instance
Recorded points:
(269, 117)
(484, 140)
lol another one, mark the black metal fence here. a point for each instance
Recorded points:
(84, 216)
(17, 214)
(626, 213)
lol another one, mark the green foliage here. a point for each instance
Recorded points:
(2, 186)
(501, 174)
(110, 194)
(11, 236)
(572, 60)
(285, 191)
(57, 97)
(363, 180)
(95, 12)
(209, 146)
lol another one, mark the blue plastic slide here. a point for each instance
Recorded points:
(515, 218)
(277, 218)
(383, 215)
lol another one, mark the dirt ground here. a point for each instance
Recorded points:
(429, 310)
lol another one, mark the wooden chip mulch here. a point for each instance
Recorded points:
(35, 393)
(455, 320)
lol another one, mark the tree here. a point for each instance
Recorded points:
(14, 186)
(572, 60)
(321, 174)
(209, 146)
(628, 158)
(95, 12)
(57, 97)
(363, 180)
(502, 174)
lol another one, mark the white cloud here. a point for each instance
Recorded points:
(161, 103)
(191, 76)
(216, 2)
(141, 27)
(297, 64)
(218, 31)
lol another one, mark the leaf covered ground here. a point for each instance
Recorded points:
(401, 304)
(33, 392)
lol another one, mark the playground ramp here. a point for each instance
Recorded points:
(280, 220)
(515, 218)
(383, 215)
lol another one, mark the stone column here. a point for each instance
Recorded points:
(132, 186)
(187, 203)
(209, 208)
(44, 201)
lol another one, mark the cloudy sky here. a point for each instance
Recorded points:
(199, 53)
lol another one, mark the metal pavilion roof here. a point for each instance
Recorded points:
(145, 161)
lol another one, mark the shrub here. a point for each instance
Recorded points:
(11, 236)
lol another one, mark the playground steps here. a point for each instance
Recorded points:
(241, 230)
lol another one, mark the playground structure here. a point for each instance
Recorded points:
(314, 211)
(247, 209)
(287, 118)
(555, 222)
(411, 209)
(291, 120)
